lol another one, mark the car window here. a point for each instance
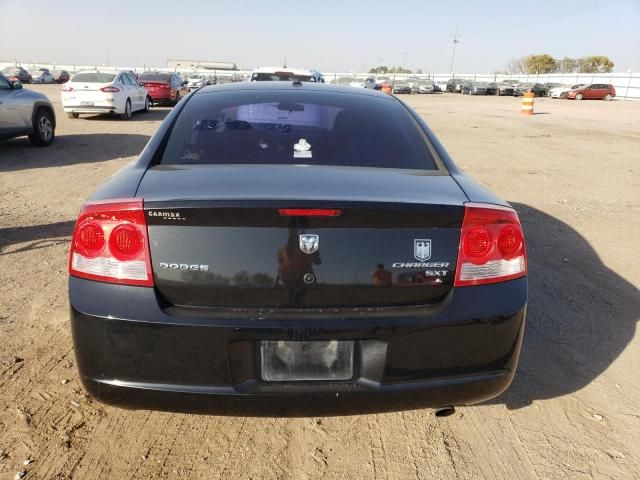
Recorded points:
(280, 76)
(155, 77)
(297, 128)
(4, 83)
(94, 77)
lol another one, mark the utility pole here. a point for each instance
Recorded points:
(456, 39)
(404, 61)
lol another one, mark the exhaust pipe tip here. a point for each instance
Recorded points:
(446, 411)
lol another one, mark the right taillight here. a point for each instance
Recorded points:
(492, 246)
(110, 243)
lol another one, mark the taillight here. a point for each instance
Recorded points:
(67, 89)
(110, 243)
(309, 212)
(109, 89)
(492, 246)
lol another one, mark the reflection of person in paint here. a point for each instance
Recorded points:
(293, 264)
(381, 277)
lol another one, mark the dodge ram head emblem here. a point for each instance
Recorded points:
(309, 243)
(422, 249)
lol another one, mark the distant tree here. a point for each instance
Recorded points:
(595, 64)
(567, 65)
(399, 70)
(547, 64)
(419, 71)
(241, 278)
(539, 63)
(515, 66)
(381, 69)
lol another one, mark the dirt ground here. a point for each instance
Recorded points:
(573, 173)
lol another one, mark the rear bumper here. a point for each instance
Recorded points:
(93, 109)
(133, 352)
(160, 97)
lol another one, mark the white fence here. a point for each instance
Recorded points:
(627, 85)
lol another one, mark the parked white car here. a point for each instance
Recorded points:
(197, 80)
(92, 91)
(558, 92)
(424, 86)
(41, 75)
(442, 85)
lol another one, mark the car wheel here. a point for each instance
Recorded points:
(578, 96)
(147, 104)
(43, 129)
(607, 97)
(73, 115)
(127, 110)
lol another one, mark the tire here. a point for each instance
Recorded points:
(578, 96)
(73, 115)
(147, 104)
(607, 97)
(44, 131)
(127, 111)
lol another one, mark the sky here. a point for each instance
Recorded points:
(328, 35)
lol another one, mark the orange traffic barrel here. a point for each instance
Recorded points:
(386, 88)
(527, 103)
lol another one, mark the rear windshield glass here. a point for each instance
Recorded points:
(281, 77)
(95, 77)
(289, 127)
(155, 77)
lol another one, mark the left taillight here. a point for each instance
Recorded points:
(492, 247)
(67, 89)
(110, 243)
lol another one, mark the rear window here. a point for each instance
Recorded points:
(295, 127)
(155, 77)
(94, 77)
(281, 77)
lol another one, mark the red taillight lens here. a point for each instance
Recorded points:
(492, 246)
(110, 243)
(90, 239)
(309, 212)
(67, 89)
(109, 89)
(509, 240)
(126, 242)
(477, 243)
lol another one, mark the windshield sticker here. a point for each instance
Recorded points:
(302, 149)
(189, 155)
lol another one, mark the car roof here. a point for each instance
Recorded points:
(289, 86)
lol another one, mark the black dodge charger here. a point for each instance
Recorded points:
(288, 239)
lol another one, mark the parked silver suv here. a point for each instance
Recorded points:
(25, 112)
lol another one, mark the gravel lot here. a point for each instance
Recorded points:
(573, 411)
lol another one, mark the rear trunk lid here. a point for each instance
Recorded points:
(219, 236)
(156, 86)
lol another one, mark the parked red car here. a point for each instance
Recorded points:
(594, 91)
(164, 87)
